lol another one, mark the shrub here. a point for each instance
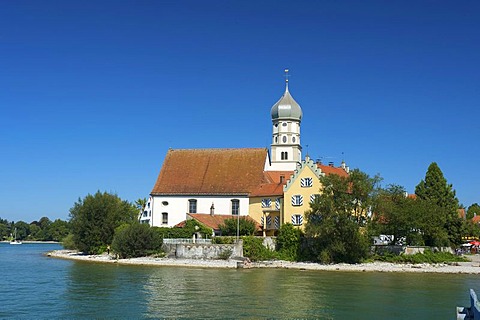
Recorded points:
(187, 231)
(254, 249)
(136, 240)
(246, 226)
(68, 242)
(223, 240)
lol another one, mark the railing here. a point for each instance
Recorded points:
(188, 240)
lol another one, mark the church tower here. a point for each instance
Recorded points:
(286, 150)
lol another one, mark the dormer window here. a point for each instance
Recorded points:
(266, 203)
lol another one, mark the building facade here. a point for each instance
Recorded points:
(272, 187)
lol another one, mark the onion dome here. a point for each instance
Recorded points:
(286, 107)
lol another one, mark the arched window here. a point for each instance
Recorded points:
(284, 155)
(235, 207)
(164, 217)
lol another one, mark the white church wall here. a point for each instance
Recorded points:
(177, 207)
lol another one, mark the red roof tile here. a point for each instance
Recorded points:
(277, 179)
(216, 220)
(332, 170)
(211, 171)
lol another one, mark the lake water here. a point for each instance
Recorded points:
(33, 286)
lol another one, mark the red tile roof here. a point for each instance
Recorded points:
(274, 187)
(216, 220)
(211, 171)
(332, 170)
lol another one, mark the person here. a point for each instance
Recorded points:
(108, 249)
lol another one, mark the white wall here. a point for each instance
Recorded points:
(177, 207)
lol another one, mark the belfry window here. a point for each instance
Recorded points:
(284, 155)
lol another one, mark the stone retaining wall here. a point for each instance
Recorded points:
(203, 251)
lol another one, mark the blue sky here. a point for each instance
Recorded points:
(93, 93)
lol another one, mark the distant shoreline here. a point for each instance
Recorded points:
(32, 241)
(472, 267)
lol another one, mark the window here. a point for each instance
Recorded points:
(145, 213)
(277, 203)
(165, 203)
(284, 124)
(284, 155)
(192, 206)
(284, 139)
(297, 219)
(277, 222)
(293, 139)
(297, 200)
(235, 207)
(306, 182)
(164, 217)
(266, 203)
(313, 197)
(148, 204)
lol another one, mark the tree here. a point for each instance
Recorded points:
(247, 227)
(333, 229)
(435, 189)
(473, 210)
(136, 240)
(288, 242)
(140, 204)
(94, 219)
(409, 220)
(57, 230)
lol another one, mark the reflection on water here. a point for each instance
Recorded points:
(34, 286)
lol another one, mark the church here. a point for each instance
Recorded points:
(272, 187)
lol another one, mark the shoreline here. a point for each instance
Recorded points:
(471, 267)
(32, 241)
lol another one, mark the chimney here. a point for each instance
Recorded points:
(330, 164)
(282, 178)
(212, 210)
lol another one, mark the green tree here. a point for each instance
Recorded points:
(247, 227)
(23, 230)
(95, 218)
(289, 242)
(57, 230)
(140, 204)
(391, 215)
(333, 229)
(473, 210)
(435, 189)
(136, 240)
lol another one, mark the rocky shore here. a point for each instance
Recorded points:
(471, 267)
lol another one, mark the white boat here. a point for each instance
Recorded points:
(15, 241)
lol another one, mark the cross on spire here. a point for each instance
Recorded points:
(286, 78)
